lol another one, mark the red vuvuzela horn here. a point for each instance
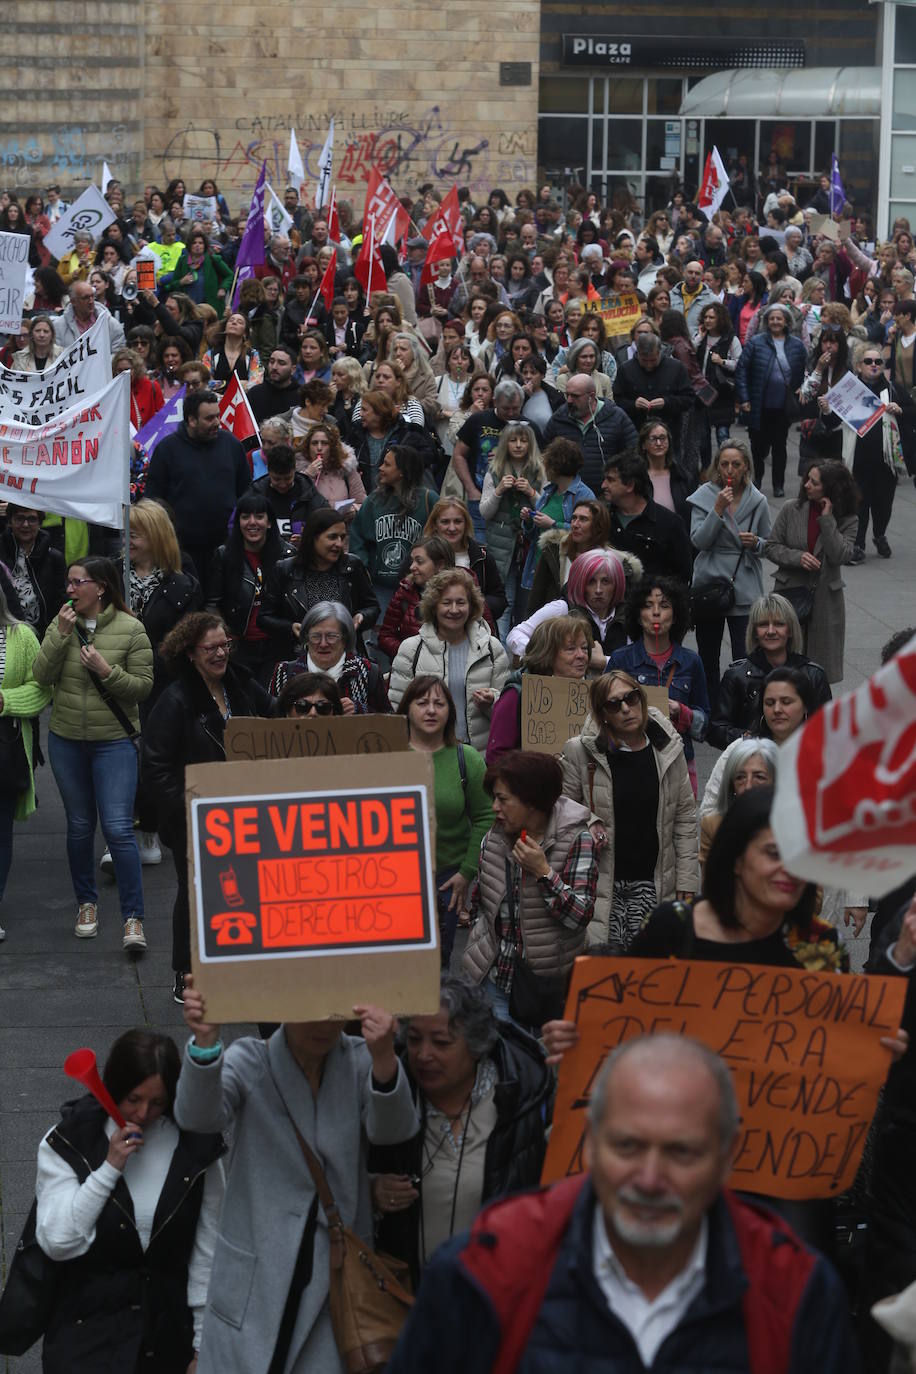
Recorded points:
(81, 1065)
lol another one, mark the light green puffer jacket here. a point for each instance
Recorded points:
(22, 698)
(78, 711)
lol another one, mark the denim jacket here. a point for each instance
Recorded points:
(575, 492)
(688, 682)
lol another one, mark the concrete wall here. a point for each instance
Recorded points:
(208, 90)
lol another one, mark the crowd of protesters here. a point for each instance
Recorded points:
(459, 482)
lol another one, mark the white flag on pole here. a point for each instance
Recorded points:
(278, 217)
(715, 184)
(294, 164)
(107, 177)
(91, 213)
(325, 163)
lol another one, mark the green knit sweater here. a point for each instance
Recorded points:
(458, 836)
(22, 698)
(79, 711)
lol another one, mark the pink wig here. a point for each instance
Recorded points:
(586, 566)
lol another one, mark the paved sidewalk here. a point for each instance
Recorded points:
(58, 993)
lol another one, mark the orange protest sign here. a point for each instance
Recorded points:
(804, 1050)
(146, 274)
(312, 886)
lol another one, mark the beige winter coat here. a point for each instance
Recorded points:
(587, 779)
(487, 666)
(549, 947)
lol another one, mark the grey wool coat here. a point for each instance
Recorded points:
(825, 632)
(718, 546)
(270, 1191)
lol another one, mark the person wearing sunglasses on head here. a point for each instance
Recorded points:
(186, 726)
(310, 695)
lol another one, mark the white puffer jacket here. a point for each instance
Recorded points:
(487, 666)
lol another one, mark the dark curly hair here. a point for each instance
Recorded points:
(639, 594)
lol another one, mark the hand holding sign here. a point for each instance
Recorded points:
(378, 1028)
(195, 1016)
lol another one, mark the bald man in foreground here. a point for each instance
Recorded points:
(645, 1262)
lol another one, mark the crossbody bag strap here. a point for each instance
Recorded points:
(120, 716)
(322, 1188)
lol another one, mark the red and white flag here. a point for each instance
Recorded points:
(384, 208)
(369, 269)
(845, 807)
(235, 414)
(325, 290)
(714, 188)
(333, 218)
(443, 235)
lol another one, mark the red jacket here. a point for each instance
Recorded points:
(145, 400)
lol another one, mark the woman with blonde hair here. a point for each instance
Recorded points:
(451, 520)
(349, 384)
(628, 767)
(503, 328)
(515, 479)
(389, 377)
(455, 645)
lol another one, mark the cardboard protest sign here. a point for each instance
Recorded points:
(619, 313)
(825, 226)
(553, 711)
(146, 274)
(90, 213)
(253, 738)
(658, 697)
(803, 1048)
(14, 267)
(200, 209)
(855, 404)
(312, 887)
(83, 370)
(845, 809)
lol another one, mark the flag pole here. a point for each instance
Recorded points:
(371, 256)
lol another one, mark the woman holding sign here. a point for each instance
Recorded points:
(186, 726)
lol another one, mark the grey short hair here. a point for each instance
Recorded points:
(577, 346)
(470, 1014)
(772, 606)
(507, 390)
(741, 753)
(664, 1048)
(330, 610)
(647, 345)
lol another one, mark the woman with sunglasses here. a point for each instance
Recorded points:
(628, 768)
(464, 812)
(310, 694)
(186, 726)
(327, 644)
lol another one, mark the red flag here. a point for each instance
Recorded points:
(369, 269)
(325, 289)
(442, 246)
(235, 414)
(443, 234)
(382, 205)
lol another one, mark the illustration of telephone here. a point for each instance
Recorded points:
(230, 886)
(234, 927)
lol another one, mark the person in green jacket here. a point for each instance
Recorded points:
(98, 659)
(201, 274)
(21, 699)
(391, 519)
(464, 811)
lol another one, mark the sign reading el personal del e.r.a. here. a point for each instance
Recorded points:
(312, 873)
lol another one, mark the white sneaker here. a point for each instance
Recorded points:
(106, 863)
(87, 921)
(133, 934)
(148, 845)
(2, 933)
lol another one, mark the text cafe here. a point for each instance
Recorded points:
(636, 113)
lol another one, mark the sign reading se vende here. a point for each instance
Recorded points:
(305, 875)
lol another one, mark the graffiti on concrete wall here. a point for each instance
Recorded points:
(410, 150)
(64, 155)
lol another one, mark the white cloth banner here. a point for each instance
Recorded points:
(278, 218)
(35, 398)
(77, 464)
(845, 806)
(91, 213)
(14, 268)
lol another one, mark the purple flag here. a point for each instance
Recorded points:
(251, 249)
(163, 423)
(837, 191)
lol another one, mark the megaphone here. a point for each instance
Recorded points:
(81, 1065)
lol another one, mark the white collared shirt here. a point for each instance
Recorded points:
(649, 1323)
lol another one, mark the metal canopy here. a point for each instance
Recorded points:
(773, 93)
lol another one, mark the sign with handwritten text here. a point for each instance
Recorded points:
(250, 738)
(553, 711)
(14, 265)
(804, 1050)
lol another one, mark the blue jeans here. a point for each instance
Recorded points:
(480, 527)
(7, 806)
(99, 777)
(448, 920)
(508, 617)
